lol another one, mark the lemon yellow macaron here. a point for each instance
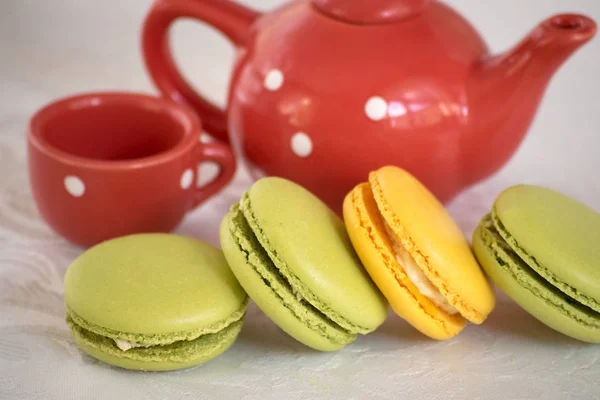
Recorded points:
(416, 254)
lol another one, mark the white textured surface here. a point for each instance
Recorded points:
(52, 49)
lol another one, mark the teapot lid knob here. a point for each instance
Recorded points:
(370, 12)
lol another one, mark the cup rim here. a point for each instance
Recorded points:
(189, 121)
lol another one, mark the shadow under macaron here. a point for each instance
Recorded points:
(395, 328)
(509, 319)
(261, 334)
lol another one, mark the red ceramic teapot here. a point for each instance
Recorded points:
(324, 91)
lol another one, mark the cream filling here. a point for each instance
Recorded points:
(127, 345)
(297, 294)
(416, 276)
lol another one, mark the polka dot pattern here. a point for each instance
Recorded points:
(302, 144)
(274, 80)
(376, 108)
(186, 179)
(74, 186)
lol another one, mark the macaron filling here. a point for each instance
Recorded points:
(181, 351)
(293, 298)
(127, 345)
(415, 275)
(127, 342)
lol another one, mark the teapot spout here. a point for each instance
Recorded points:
(504, 90)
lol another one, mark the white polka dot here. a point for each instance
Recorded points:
(376, 108)
(187, 179)
(301, 144)
(274, 80)
(74, 186)
(206, 173)
(204, 138)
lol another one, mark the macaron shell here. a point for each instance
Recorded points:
(434, 240)
(533, 293)
(271, 303)
(313, 242)
(370, 240)
(559, 235)
(155, 284)
(186, 356)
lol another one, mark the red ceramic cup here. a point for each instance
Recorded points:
(104, 165)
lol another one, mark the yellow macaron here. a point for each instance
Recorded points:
(416, 254)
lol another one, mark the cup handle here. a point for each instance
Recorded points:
(222, 155)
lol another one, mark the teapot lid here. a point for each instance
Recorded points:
(370, 12)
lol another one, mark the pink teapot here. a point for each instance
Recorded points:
(324, 91)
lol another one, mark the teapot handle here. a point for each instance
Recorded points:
(230, 18)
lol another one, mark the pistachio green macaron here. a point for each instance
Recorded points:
(293, 257)
(153, 302)
(542, 248)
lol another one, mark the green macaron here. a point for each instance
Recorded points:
(153, 302)
(541, 248)
(293, 257)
